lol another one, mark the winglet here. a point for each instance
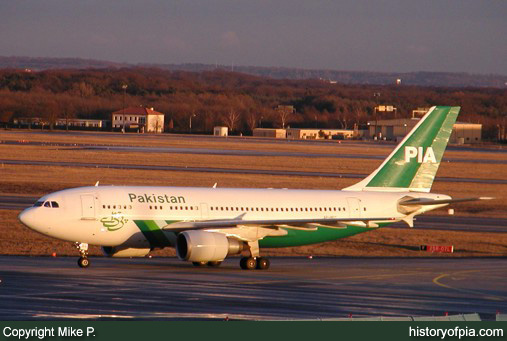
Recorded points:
(97, 183)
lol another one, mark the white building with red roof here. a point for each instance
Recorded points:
(138, 118)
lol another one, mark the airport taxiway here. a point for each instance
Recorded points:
(227, 170)
(239, 152)
(35, 288)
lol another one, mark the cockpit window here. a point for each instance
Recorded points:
(52, 204)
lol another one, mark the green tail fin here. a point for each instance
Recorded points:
(414, 163)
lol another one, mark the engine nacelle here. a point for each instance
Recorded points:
(119, 252)
(202, 246)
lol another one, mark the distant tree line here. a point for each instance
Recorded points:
(241, 102)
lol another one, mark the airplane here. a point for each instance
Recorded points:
(206, 225)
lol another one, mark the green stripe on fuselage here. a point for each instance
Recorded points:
(302, 237)
(153, 233)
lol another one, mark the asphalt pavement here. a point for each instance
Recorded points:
(41, 288)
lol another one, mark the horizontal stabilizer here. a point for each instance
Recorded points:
(424, 201)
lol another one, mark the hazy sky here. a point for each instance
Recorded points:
(390, 35)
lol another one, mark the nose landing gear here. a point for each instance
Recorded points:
(83, 261)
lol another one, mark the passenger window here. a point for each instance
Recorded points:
(54, 204)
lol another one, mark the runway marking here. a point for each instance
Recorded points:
(336, 278)
(437, 279)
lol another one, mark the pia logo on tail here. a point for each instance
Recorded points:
(422, 156)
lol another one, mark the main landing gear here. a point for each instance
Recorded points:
(254, 261)
(83, 261)
(250, 263)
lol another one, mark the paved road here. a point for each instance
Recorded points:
(227, 170)
(34, 288)
(16, 202)
(236, 152)
(244, 139)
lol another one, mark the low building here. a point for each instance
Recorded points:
(396, 129)
(29, 121)
(270, 132)
(78, 122)
(220, 131)
(60, 122)
(138, 118)
(320, 134)
(466, 133)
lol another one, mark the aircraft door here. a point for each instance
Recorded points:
(88, 206)
(354, 207)
(204, 211)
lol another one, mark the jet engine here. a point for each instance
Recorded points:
(202, 246)
(122, 252)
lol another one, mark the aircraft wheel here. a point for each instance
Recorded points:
(248, 263)
(199, 263)
(262, 263)
(83, 262)
(214, 263)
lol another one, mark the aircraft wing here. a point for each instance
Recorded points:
(309, 224)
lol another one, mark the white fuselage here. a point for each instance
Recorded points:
(133, 215)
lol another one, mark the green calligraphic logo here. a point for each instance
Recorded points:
(115, 222)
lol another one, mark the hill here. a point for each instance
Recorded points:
(442, 79)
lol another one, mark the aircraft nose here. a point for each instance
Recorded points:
(27, 217)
